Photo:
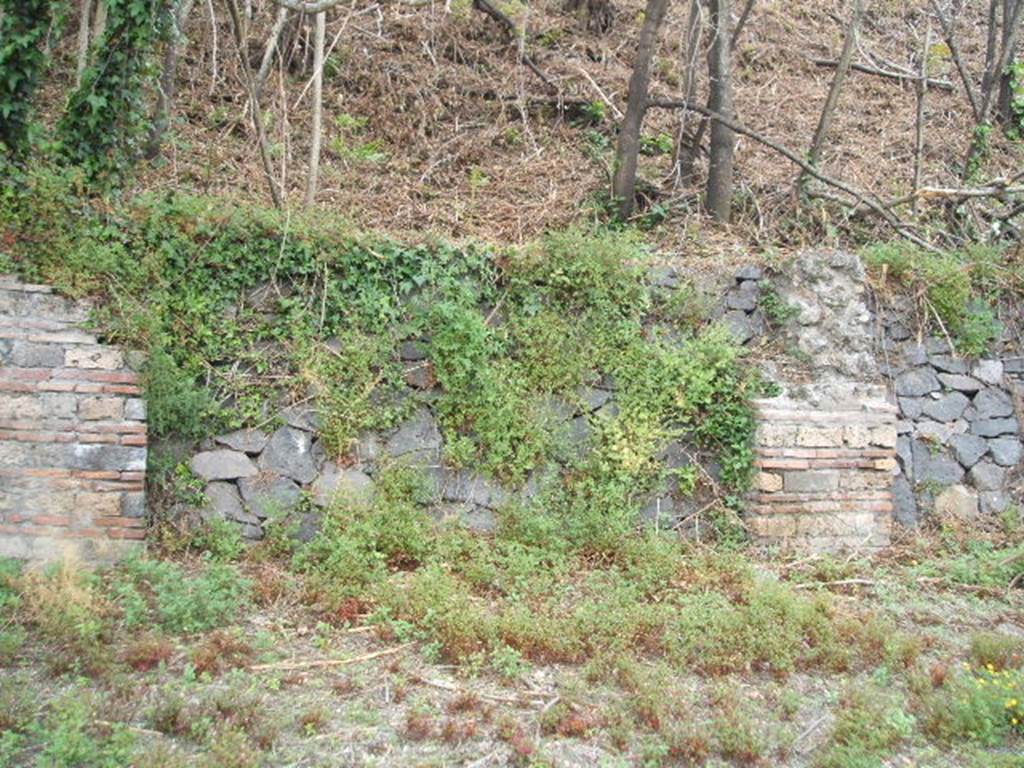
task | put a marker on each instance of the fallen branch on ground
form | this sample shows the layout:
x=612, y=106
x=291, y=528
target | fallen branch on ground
x=944, y=85
x=317, y=663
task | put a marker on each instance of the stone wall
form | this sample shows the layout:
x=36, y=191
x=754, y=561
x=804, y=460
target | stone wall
x=826, y=447
x=825, y=472
x=959, y=447
x=72, y=433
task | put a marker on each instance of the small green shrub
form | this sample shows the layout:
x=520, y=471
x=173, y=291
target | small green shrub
x=161, y=592
x=69, y=738
x=175, y=404
x=220, y=540
x=869, y=725
x=957, y=289
x=983, y=706
x=777, y=311
x=991, y=649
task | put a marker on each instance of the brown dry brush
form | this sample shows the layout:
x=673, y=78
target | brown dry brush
x=463, y=138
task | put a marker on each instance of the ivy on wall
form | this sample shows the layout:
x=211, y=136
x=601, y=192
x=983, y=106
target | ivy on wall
x=104, y=123
x=23, y=25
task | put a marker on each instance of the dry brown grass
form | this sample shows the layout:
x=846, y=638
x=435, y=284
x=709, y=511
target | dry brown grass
x=468, y=157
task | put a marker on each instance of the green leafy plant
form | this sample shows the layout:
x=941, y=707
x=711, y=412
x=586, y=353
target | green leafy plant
x=958, y=288
x=160, y=591
x=777, y=311
x=104, y=120
x=23, y=25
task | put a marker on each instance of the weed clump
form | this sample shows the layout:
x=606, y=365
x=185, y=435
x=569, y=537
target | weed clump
x=957, y=291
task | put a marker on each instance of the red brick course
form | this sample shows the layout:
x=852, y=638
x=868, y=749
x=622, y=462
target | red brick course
x=69, y=462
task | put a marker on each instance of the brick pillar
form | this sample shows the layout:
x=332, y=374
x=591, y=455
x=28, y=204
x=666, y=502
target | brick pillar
x=824, y=472
x=72, y=434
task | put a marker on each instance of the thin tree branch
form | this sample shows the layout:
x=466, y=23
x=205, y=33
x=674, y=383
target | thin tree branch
x=271, y=46
x=944, y=85
x=949, y=33
x=862, y=197
x=740, y=23
x=832, y=100
x=254, y=102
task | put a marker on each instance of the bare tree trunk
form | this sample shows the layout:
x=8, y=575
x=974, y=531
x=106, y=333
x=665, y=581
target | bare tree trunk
x=628, y=147
x=99, y=24
x=832, y=100
x=318, y=107
x=740, y=24
x=83, y=41
x=718, y=200
x=254, y=102
x=268, y=52
x=684, y=155
x=1002, y=61
x=949, y=33
x=922, y=90
x=596, y=15
x=991, y=45
x=1004, y=106
x=168, y=80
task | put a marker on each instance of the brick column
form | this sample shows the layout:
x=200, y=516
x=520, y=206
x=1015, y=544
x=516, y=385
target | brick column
x=825, y=473
x=72, y=434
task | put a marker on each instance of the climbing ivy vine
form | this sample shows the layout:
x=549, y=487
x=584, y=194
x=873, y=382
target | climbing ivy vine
x=23, y=25
x=105, y=119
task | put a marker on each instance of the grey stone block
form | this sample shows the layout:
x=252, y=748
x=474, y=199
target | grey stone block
x=222, y=464
x=224, y=503
x=469, y=487
x=593, y=398
x=934, y=467
x=993, y=502
x=994, y=427
x=268, y=495
x=811, y=481
x=746, y=301
x=133, y=504
x=135, y=409
x=1006, y=451
x=417, y=435
x=289, y=453
x=948, y=364
x=993, y=403
x=968, y=449
x=912, y=407
x=917, y=382
x=914, y=354
x=949, y=407
x=342, y=482
x=412, y=351
x=959, y=382
x=749, y=272
x=988, y=476
x=905, y=456
x=988, y=371
x=25, y=354
x=739, y=325
x=904, y=502
x=250, y=441
x=898, y=331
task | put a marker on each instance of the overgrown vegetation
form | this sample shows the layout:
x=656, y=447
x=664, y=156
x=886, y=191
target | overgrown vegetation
x=956, y=293
x=257, y=309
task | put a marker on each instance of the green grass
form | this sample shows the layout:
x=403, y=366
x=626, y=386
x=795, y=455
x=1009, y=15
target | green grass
x=957, y=292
